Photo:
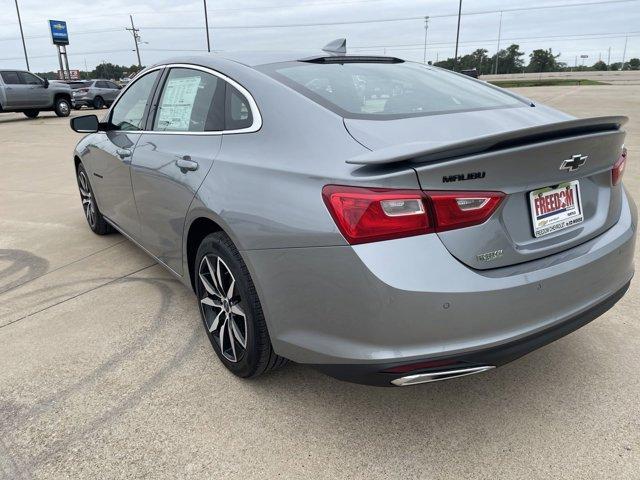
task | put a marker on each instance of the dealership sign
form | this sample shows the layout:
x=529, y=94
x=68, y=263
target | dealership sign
x=59, y=33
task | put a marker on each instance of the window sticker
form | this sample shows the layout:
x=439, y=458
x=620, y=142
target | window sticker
x=177, y=103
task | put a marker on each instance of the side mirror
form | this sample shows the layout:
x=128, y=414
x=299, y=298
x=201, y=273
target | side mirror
x=46, y=83
x=85, y=124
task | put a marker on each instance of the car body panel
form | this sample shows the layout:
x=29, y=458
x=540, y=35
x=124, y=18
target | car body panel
x=163, y=192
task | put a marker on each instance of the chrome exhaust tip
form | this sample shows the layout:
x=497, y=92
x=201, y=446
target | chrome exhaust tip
x=437, y=376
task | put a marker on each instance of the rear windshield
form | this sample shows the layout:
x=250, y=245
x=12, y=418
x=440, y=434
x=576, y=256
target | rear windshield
x=388, y=90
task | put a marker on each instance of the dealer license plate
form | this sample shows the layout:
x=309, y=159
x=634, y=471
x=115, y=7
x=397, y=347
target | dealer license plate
x=555, y=208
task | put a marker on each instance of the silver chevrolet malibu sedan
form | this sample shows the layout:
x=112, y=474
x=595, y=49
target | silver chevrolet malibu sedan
x=386, y=222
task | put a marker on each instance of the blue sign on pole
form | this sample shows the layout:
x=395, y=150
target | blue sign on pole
x=59, y=33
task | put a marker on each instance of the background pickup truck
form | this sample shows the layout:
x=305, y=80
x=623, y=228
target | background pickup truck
x=22, y=91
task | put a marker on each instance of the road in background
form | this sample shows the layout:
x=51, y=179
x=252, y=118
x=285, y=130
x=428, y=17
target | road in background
x=107, y=372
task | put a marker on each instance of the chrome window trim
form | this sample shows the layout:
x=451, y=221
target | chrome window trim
x=255, y=111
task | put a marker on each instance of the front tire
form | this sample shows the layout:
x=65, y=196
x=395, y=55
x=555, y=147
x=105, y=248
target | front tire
x=62, y=107
x=230, y=309
x=31, y=113
x=96, y=221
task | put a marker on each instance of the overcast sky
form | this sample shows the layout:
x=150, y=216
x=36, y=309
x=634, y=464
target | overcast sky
x=97, y=28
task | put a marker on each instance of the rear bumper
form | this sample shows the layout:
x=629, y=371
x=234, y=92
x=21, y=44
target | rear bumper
x=351, y=311
x=384, y=374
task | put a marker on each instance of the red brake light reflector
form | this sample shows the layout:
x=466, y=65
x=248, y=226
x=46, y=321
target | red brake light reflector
x=618, y=168
x=463, y=209
x=373, y=214
x=365, y=214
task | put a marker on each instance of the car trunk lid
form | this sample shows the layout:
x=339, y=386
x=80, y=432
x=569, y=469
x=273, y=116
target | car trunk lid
x=543, y=158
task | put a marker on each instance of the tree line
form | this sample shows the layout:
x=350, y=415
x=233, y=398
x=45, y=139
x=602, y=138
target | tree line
x=511, y=60
x=104, y=70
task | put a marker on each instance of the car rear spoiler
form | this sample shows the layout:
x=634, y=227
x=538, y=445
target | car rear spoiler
x=420, y=152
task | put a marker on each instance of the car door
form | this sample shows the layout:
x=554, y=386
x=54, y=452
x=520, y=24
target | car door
x=35, y=93
x=14, y=90
x=111, y=153
x=172, y=159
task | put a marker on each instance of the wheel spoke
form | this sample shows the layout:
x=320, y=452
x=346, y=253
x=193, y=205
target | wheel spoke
x=219, y=275
x=230, y=291
x=211, y=302
x=212, y=273
x=221, y=336
x=237, y=311
x=208, y=287
x=215, y=323
x=231, y=340
x=238, y=334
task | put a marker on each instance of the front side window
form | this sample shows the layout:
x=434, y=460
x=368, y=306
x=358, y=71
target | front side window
x=102, y=85
x=29, y=79
x=129, y=112
x=388, y=90
x=191, y=101
x=11, y=78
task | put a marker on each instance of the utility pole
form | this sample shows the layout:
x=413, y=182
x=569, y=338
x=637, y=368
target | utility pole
x=426, y=29
x=455, y=60
x=206, y=25
x=624, y=52
x=609, y=58
x=24, y=46
x=136, y=39
x=498, y=49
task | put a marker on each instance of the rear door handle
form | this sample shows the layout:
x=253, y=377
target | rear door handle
x=123, y=153
x=185, y=164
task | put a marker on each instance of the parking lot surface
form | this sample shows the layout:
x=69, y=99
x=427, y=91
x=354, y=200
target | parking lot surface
x=106, y=371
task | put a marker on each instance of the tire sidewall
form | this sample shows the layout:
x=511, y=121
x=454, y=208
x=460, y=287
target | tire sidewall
x=212, y=245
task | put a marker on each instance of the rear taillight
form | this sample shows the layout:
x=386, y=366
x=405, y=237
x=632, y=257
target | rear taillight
x=618, y=168
x=373, y=214
x=463, y=209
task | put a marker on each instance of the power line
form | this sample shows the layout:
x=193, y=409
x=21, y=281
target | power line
x=386, y=20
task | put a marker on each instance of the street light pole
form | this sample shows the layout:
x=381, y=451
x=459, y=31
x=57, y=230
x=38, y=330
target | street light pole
x=426, y=29
x=24, y=46
x=136, y=39
x=455, y=60
x=498, y=49
x=206, y=25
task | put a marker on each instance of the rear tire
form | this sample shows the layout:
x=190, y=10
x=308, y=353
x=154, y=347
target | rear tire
x=95, y=220
x=98, y=103
x=31, y=113
x=230, y=309
x=62, y=107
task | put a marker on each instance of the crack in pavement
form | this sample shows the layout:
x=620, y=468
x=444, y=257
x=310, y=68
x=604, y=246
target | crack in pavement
x=78, y=295
x=12, y=287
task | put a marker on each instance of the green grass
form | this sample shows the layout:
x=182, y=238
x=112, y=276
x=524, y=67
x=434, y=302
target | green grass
x=545, y=82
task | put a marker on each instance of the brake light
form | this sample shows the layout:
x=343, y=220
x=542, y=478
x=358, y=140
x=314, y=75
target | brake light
x=618, y=168
x=372, y=214
x=463, y=209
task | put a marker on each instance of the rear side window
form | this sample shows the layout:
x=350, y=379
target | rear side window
x=129, y=112
x=10, y=78
x=388, y=90
x=102, y=85
x=237, y=110
x=191, y=101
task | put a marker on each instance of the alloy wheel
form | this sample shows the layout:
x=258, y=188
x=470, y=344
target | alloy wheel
x=87, y=199
x=221, y=307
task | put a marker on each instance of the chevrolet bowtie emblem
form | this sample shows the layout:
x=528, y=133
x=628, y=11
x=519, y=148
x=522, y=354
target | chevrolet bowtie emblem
x=574, y=163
